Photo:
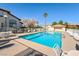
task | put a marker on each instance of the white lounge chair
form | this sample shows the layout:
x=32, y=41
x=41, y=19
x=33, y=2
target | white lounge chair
x=76, y=36
x=73, y=53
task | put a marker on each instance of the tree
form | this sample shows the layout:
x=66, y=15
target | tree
x=60, y=22
x=54, y=23
x=66, y=23
x=45, y=15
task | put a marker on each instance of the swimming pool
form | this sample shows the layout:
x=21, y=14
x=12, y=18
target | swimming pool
x=49, y=39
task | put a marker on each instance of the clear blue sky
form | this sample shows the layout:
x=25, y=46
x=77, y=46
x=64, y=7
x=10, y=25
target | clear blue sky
x=56, y=12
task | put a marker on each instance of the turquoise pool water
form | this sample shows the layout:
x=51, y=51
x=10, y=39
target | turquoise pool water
x=50, y=39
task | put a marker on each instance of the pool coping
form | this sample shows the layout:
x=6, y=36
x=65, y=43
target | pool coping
x=38, y=47
x=46, y=50
x=22, y=34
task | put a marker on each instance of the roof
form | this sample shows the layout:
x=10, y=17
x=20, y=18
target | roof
x=58, y=25
x=9, y=13
x=5, y=10
x=73, y=24
x=15, y=16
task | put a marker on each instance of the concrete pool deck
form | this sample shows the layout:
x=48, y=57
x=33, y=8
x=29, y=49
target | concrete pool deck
x=68, y=43
x=13, y=50
x=65, y=47
x=38, y=47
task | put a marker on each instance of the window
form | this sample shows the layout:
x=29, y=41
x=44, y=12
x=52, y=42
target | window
x=12, y=22
x=1, y=15
x=2, y=25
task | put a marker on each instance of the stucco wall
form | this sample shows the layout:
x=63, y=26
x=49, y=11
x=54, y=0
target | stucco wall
x=8, y=19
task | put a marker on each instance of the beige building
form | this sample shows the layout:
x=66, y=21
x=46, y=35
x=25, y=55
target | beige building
x=59, y=27
x=8, y=21
x=50, y=28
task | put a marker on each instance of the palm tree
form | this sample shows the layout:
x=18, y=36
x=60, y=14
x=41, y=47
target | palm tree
x=45, y=15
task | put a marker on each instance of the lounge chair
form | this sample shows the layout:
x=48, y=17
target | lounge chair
x=26, y=52
x=10, y=35
x=30, y=52
x=73, y=53
x=76, y=36
x=77, y=47
x=36, y=53
x=5, y=44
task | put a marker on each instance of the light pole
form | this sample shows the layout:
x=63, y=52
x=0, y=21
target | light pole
x=6, y=23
